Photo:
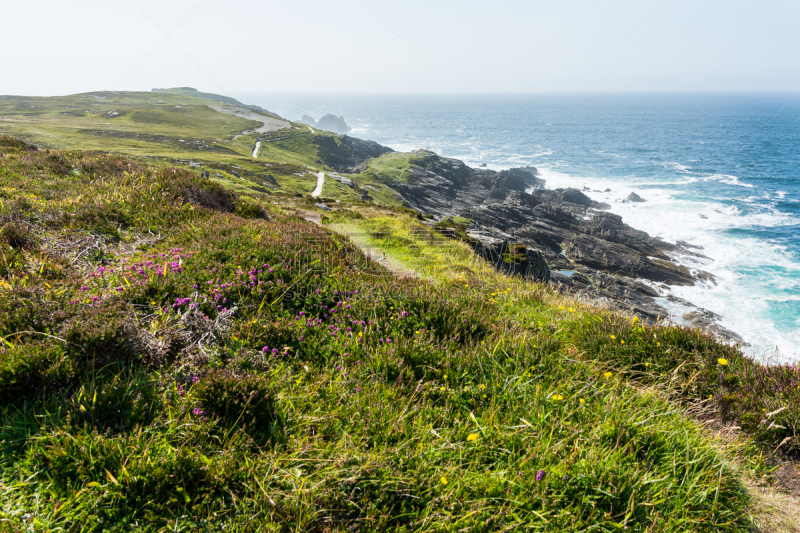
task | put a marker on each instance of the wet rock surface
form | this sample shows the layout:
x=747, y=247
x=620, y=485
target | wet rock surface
x=633, y=197
x=564, y=229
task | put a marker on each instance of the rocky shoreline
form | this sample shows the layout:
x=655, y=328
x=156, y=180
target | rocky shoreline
x=558, y=235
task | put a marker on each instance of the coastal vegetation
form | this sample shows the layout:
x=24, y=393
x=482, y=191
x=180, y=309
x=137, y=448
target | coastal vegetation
x=186, y=354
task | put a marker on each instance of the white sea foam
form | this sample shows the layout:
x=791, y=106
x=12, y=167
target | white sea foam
x=677, y=166
x=730, y=180
x=734, y=260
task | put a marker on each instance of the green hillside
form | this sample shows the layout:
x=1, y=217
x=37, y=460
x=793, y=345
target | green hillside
x=189, y=91
x=185, y=354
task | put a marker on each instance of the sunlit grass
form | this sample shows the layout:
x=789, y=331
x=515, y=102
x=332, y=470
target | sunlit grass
x=175, y=357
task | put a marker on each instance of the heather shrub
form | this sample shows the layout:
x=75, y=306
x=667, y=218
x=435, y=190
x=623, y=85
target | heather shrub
x=106, y=166
x=27, y=369
x=207, y=194
x=245, y=399
x=99, y=334
x=50, y=346
x=115, y=401
x=248, y=209
x=106, y=219
x=10, y=145
x=18, y=235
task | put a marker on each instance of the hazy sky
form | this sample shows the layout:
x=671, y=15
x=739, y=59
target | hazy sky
x=392, y=46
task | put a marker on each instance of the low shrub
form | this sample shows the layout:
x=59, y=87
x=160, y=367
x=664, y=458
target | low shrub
x=245, y=399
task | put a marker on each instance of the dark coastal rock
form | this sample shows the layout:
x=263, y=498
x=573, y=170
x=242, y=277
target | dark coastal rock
x=633, y=197
x=547, y=220
x=333, y=123
x=514, y=218
x=574, y=196
x=537, y=182
x=615, y=291
x=510, y=257
x=707, y=320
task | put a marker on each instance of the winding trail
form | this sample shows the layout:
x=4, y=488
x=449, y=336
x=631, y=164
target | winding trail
x=268, y=123
x=257, y=148
x=320, y=182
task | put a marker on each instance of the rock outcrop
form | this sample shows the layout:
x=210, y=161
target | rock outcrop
x=557, y=234
x=633, y=197
x=347, y=154
x=512, y=258
x=333, y=123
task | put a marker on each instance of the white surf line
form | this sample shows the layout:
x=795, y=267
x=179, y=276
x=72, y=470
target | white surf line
x=255, y=152
x=320, y=181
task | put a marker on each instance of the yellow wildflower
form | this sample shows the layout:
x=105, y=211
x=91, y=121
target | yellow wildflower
x=558, y=397
x=613, y=336
x=722, y=361
x=607, y=374
x=443, y=481
x=443, y=389
x=472, y=437
x=582, y=400
x=482, y=386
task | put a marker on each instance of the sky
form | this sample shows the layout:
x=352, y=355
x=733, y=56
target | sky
x=53, y=47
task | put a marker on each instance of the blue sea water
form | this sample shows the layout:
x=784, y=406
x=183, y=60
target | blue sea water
x=718, y=171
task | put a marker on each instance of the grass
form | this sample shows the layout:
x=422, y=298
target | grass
x=167, y=130
x=177, y=129
x=764, y=400
x=176, y=356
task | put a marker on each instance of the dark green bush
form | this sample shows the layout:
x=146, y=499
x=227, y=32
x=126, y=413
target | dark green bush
x=18, y=235
x=30, y=368
x=245, y=399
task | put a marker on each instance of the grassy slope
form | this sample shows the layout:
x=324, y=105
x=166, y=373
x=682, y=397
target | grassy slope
x=167, y=129
x=189, y=91
x=335, y=396
x=170, y=129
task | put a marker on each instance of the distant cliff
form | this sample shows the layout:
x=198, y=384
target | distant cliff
x=189, y=91
x=329, y=122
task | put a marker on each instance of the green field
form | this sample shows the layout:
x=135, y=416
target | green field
x=182, y=354
x=176, y=129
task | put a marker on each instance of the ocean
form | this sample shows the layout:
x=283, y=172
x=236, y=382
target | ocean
x=719, y=171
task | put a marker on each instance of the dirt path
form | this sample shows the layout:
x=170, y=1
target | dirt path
x=268, y=124
x=257, y=148
x=320, y=182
